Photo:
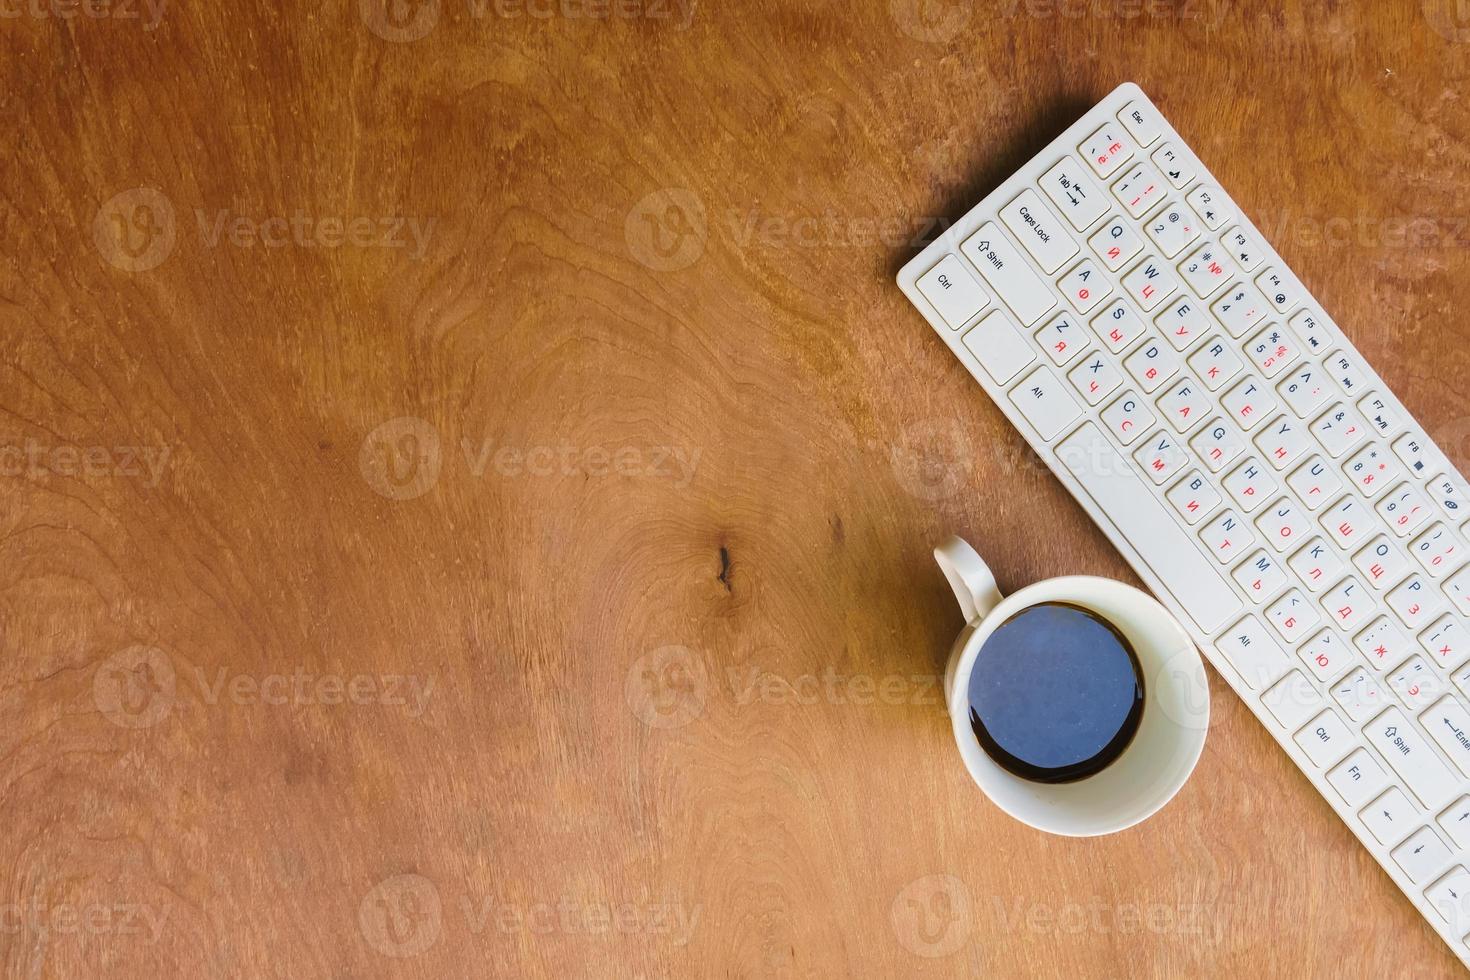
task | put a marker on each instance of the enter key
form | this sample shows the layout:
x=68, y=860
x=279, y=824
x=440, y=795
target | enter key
x=1448, y=723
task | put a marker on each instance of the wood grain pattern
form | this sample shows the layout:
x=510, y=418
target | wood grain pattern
x=469, y=479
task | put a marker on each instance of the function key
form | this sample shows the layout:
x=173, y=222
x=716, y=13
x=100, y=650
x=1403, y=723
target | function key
x=1074, y=193
x=1380, y=414
x=1279, y=290
x=952, y=291
x=1448, y=494
x=1176, y=165
x=1107, y=149
x=1347, y=374
x=1115, y=243
x=1244, y=247
x=1211, y=205
x=1416, y=454
x=1142, y=122
x=1358, y=778
x=1038, y=232
x=1311, y=330
x=1139, y=188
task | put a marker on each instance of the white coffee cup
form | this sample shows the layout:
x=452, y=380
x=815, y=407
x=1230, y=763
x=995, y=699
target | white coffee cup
x=1176, y=711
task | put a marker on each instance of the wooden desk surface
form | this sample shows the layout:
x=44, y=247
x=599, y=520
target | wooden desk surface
x=469, y=479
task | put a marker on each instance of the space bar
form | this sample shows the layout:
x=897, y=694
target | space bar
x=1113, y=484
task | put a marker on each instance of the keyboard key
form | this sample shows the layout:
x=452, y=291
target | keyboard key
x=1421, y=855
x=1256, y=657
x=1001, y=265
x=1152, y=364
x=1415, y=603
x=1140, y=518
x=1279, y=290
x=1172, y=229
x=1142, y=122
x=1416, y=453
x=1381, y=563
x=1095, y=378
x=1358, y=778
x=1403, y=509
x=1382, y=418
x=1074, y=193
x=1000, y=348
x=1347, y=604
x=1346, y=373
x=1450, y=898
x=1372, y=469
x=1128, y=417
x=1150, y=283
x=1456, y=822
x=1115, y=243
x=1045, y=403
x=1448, y=724
x=1140, y=188
x=1438, y=550
x=1457, y=587
x=1240, y=308
x=1292, y=700
x=1038, y=231
x=1249, y=402
x=1206, y=269
x=1271, y=350
x=1411, y=757
x=1292, y=615
x=1314, y=482
x=1162, y=457
x=953, y=292
x=1244, y=247
x=1283, y=525
x=1359, y=695
x=1063, y=338
x=1183, y=323
x=1316, y=565
x=1283, y=442
x=1218, y=444
x=1259, y=576
x=1447, y=640
x=1176, y=166
x=1383, y=644
x=1303, y=390
x=1349, y=522
x=1085, y=286
x=1325, y=739
x=1210, y=205
x=1390, y=817
x=1448, y=495
x=1339, y=429
x=1118, y=326
x=1250, y=484
x=1311, y=330
x=1107, y=149
x=1216, y=363
x=1417, y=685
x=1185, y=405
x=1226, y=536
x=1193, y=497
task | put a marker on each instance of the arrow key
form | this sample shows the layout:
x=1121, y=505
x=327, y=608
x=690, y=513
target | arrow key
x=1421, y=855
x=1456, y=822
x=1450, y=897
x=1390, y=816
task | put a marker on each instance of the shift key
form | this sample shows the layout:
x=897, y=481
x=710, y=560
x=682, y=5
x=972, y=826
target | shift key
x=1412, y=758
x=1006, y=270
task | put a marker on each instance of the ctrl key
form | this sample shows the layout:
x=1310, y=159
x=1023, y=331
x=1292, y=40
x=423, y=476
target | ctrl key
x=1450, y=897
x=953, y=292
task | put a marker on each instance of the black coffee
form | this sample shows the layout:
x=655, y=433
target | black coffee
x=1056, y=694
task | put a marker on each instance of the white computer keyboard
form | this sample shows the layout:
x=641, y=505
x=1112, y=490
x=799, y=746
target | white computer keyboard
x=1189, y=391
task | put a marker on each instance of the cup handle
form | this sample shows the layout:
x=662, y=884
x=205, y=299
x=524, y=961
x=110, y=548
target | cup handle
x=969, y=577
